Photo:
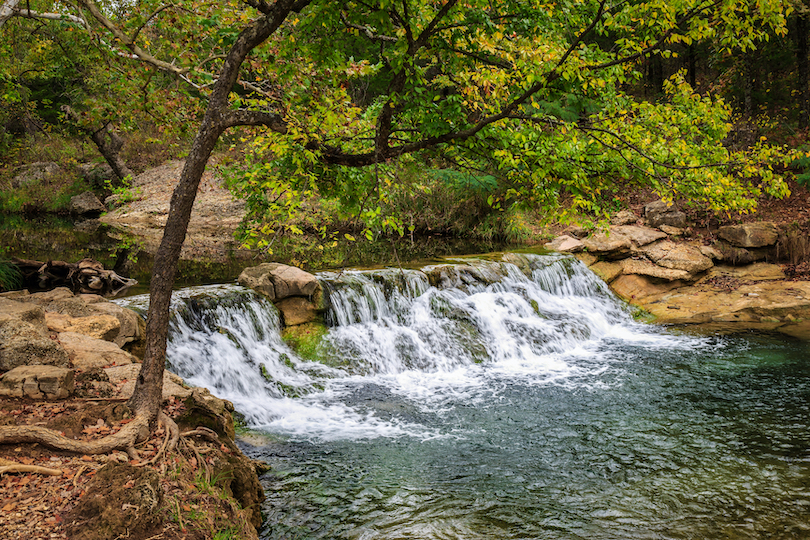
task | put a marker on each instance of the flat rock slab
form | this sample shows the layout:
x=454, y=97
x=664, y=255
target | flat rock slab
x=646, y=268
x=87, y=353
x=750, y=235
x=640, y=236
x=678, y=256
x=565, y=243
x=612, y=246
x=37, y=382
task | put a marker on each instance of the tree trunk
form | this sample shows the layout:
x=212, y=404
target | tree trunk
x=110, y=144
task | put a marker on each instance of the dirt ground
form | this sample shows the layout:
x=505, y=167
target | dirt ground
x=109, y=496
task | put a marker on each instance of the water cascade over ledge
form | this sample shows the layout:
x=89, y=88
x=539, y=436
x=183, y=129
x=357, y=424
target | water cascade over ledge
x=507, y=397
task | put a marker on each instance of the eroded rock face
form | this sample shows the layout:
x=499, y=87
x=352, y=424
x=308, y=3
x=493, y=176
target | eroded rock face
x=23, y=344
x=659, y=213
x=296, y=310
x=678, y=256
x=105, y=327
x=750, y=235
x=647, y=268
x=37, y=382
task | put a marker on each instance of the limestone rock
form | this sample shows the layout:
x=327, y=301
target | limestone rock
x=625, y=217
x=640, y=236
x=740, y=256
x=711, y=253
x=37, y=382
x=659, y=213
x=34, y=173
x=634, y=287
x=21, y=311
x=131, y=325
x=296, y=310
x=607, y=271
x=588, y=259
x=125, y=376
x=565, y=243
x=750, y=235
x=104, y=327
x=87, y=353
x=577, y=231
x=278, y=281
x=86, y=204
x=611, y=246
x=646, y=268
x=23, y=344
x=678, y=256
x=672, y=231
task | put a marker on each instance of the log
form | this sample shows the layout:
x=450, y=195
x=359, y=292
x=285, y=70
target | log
x=88, y=276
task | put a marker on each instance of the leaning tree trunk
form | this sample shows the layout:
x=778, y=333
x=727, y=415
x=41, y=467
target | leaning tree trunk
x=803, y=69
x=110, y=144
x=147, y=396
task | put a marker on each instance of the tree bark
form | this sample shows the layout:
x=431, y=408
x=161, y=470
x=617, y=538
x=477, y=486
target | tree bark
x=109, y=143
x=147, y=396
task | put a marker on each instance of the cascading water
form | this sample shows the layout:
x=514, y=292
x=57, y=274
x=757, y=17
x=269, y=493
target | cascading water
x=513, y=398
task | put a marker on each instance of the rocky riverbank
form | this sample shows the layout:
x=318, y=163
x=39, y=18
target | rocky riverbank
x=69, y=362
x=725, y=286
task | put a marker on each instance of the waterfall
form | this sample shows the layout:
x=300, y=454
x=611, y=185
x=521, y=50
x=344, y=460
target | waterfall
x=407, y=338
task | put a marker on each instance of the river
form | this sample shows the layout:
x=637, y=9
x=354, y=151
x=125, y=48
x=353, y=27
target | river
x=515, y=400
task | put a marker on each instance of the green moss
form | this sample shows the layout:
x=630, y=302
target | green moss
x=642, y=315
x=305, y=339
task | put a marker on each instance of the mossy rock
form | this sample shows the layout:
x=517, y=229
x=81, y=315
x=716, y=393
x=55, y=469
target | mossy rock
x=306, y=339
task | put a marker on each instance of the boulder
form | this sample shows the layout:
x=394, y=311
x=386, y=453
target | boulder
x=659, y=213
x=86, y=204
x=37, y=382
x=625, y=217
x=21, y=311
x=646, y=268
x=34, y=173
x=678, y=256
x=102, y=327
x=278, y=281
x=672, y=231
x=132, y=328
x=640, y=236
x=565, y=243
x=750, y=235
x=296, y=310
x=87, y=353
x=611, y=246
x=23, y=344
x=711, y=253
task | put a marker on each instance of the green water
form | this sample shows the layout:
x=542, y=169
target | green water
x=705, y=439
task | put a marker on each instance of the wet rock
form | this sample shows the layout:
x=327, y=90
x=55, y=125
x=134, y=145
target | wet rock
x=296, y=310
x=86, y=204
x=678, y=256
x=607, y=271
x=659, y=213
x=565, y=243
x=750, y=235
x=87, y=353
x=204, y=409
x=37, y=382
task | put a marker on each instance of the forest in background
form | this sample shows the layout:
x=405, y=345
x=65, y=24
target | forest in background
x=701, y=102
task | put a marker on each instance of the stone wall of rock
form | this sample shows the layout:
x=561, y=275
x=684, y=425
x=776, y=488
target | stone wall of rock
x=648, y=262
x=50, y=340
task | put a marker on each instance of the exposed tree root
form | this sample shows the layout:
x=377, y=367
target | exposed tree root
x=123, y=439
x=7, y=466
x=169, y=441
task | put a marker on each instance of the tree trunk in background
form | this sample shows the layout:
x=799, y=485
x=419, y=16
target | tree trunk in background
x=110, y=145
x=691, y=62
x=802, y=69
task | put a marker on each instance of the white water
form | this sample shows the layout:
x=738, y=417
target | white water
x=405, y=346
